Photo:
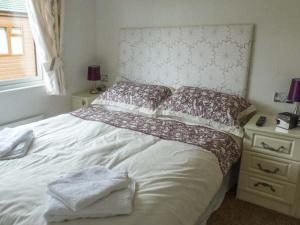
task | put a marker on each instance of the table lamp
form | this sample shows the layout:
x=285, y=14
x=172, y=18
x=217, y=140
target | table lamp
x=294, y=94
x=94, y=75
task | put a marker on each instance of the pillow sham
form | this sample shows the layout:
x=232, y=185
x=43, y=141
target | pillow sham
x=130, y=96
x=196, y=105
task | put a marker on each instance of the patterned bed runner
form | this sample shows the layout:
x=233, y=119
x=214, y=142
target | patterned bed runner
x=222, y=145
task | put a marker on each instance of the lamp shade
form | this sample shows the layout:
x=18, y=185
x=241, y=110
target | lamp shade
x=94, y=73
x=294, y=94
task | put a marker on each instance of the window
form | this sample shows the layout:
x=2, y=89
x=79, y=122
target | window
x=11, y=41
x=17, y=48
x=3, y=41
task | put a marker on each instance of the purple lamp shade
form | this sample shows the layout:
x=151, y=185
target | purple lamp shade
x=94, y=73
x=294, y=94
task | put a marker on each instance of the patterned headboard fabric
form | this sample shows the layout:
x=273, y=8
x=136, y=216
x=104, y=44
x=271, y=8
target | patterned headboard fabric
x=215, y=57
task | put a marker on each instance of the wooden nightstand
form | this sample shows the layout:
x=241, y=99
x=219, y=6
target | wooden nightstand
x=269, y=173
x=82, y=99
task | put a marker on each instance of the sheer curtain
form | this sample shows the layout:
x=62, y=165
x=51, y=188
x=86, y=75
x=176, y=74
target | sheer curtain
x=46, y=20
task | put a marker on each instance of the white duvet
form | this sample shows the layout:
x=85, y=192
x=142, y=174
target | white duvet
x=175, y=181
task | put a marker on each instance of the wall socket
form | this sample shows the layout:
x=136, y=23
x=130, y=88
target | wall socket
x=281, y=97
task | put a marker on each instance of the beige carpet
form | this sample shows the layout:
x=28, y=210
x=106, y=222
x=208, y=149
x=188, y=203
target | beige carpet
x=237, y=212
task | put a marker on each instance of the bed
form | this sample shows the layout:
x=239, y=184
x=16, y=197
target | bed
x=179, y=180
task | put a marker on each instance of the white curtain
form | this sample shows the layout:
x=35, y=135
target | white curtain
x=46, y=20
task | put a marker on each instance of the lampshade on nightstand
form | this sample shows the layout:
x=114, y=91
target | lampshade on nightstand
x=294, y=94
x=94, y=75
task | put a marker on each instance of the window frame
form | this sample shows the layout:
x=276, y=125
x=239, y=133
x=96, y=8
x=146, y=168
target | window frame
x=36, y=79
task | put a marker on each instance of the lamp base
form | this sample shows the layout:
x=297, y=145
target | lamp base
x=297, y=108
x=94, y=89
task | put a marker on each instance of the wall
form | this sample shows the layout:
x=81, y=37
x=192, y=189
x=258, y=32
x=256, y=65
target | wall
x=277, y=37
x=79, y=52
x=276, y=51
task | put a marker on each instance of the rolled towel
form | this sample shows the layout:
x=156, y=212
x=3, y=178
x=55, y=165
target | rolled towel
x=20, y=150
x=117, y=203
x=81, y=189
x=11, y=137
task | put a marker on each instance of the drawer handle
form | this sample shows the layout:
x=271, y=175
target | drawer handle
x=275, y=171
x=265, y=185
x=266, y=146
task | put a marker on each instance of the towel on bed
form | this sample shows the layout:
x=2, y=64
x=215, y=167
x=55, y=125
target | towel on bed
x=20, y=149
x=10, y=138
x=81, y=189
x=116, y=203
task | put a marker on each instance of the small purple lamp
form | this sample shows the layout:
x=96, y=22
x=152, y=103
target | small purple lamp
x=94, y=75
x=294, y=94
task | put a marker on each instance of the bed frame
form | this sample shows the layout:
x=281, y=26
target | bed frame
x=215, y=57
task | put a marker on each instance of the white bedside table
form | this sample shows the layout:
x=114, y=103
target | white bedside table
x=83, y=99
x=269, y=173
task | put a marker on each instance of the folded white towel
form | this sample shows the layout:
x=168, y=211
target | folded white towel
x=81, y=189
x=20, y=150
x=11, y=137
x=117, y=203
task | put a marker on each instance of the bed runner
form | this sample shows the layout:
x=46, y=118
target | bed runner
x=222, y=145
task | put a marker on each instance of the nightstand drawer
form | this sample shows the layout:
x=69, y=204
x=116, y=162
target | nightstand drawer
x=270, y=166
x=79, y=102
x=267, y=188
x=273, y=144
x=83, y=99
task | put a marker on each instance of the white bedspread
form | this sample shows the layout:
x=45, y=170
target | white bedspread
x=175, y=181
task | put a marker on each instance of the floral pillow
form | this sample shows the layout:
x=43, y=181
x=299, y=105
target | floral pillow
x=196, y=105
x=130, y=96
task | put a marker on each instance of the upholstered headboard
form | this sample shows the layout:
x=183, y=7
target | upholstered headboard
x=215, y=57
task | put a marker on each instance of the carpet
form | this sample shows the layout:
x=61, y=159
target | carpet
x=237, y=212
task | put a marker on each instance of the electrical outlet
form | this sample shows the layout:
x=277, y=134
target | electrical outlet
x=104, y=77
x=281, y=97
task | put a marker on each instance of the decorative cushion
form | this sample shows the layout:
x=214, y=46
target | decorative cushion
x=219, y=110
x=140, y=98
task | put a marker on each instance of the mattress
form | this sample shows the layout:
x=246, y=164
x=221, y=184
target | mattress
x=176, y=181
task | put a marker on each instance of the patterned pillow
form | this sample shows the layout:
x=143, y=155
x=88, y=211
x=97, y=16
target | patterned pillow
x=216, y=109
x=136, y=97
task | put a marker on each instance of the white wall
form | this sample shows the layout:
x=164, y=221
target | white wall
x=275, y=58
x=277, y=46
x=79, y=52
